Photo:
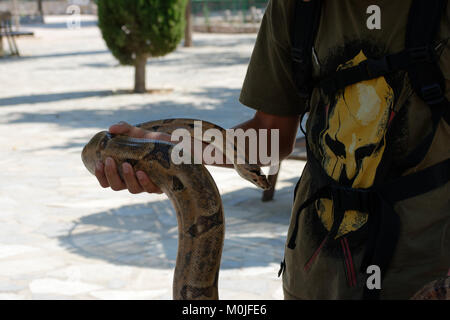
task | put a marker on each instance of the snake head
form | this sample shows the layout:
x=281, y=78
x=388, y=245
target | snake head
x=254, y=174
x=92, y=151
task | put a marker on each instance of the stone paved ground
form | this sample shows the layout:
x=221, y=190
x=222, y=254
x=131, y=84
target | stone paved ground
x=63, y=237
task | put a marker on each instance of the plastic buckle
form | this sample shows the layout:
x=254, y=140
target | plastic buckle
x=341, y=197
x=372, y=69
x=297, y=55
x=366, y=200
x=420, y=54
x=432, y=94
x=345, y=198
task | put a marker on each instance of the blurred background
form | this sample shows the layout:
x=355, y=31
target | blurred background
x=204, y=11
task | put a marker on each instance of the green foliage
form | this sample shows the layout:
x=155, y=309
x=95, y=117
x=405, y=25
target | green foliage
x=206, y=14
x=133, y=28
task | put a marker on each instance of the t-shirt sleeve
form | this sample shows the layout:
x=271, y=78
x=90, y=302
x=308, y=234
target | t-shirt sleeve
x=445, y=54
x=269, y=84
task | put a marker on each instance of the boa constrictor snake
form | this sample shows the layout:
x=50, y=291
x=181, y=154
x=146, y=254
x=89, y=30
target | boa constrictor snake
x=193, y=193
x=197, y=202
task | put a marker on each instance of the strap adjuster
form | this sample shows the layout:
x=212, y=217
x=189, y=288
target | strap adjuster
x=432, y=94
x=375, y=68
x=420, y=55
x=298, y=55
x=345, y=198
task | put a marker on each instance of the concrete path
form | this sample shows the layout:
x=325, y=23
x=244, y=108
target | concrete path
x=61, y=235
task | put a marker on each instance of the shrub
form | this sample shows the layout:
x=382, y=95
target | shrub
x=135, y=30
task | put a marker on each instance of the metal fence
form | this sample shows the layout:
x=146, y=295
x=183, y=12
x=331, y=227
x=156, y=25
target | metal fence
x=213, y=12
x=198, y=6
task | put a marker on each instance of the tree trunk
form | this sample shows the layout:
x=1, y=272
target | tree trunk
x=16, y=15
x=188, y=29
x=40, y=10
x=139, y=77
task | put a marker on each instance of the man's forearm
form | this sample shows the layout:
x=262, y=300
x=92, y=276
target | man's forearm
x=287, y=130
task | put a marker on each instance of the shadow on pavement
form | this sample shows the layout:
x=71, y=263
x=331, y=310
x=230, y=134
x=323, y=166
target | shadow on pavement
x=224, y=100
x=202, y=60
x=52, y=97
x=60, y=24
x=146, y=235
x=7, y=59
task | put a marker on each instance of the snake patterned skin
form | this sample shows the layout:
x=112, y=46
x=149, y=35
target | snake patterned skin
x=193, y=193
x=435, y=290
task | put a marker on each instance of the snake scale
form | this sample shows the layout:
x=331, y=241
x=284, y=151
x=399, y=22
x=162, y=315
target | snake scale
x=197, y=202
x=193, y=193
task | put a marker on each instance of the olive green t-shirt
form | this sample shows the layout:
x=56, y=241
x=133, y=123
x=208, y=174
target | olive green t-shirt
x=347, y=133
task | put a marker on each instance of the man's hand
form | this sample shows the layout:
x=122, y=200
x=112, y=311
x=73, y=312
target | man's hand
x=139, y=182
x=107, y=174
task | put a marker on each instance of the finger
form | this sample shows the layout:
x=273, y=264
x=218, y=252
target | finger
x=120, y=128
x=127, y=129
x=161, y=136
x=100, y=174
x=146, y=183
x=112, y=175
x=130, y=179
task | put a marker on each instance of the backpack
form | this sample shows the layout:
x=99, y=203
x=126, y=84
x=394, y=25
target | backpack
x=419, y=60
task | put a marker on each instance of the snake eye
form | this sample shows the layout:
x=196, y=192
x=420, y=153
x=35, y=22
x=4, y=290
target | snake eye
x=105, y=140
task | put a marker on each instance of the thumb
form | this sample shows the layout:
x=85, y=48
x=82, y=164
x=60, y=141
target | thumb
x=127, y=129
x=120, y=128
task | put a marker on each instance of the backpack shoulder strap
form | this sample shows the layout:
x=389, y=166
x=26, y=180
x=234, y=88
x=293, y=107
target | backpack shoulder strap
x=418, y=59
x=424, y=21
x=426, y=78
x=304, y=28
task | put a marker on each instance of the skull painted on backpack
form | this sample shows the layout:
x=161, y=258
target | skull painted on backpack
x=353, y=141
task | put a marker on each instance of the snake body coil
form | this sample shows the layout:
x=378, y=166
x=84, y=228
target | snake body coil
x=193, y=194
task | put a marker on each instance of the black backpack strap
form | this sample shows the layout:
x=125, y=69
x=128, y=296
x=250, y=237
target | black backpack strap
x=379, y=203
x=304, y=29
x=426, y=78
x=417, y=183
x=418, y=59
x=374, y=68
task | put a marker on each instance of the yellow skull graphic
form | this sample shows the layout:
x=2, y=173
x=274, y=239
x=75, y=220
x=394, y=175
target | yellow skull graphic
x=353, y=141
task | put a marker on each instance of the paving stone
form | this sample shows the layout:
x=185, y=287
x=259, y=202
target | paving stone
x=14, y=250
x=11, y=296
x=27, y=267
x=130, y=295
x=10, y=286
x=55, y=286
x=64, y=237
